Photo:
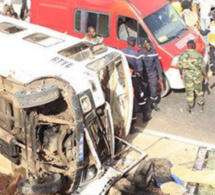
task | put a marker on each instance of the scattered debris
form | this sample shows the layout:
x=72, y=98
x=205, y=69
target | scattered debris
x=162, y=173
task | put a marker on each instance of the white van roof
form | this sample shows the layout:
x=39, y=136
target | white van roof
x=33, y=52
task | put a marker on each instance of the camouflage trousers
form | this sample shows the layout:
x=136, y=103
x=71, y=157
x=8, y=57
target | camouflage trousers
x=193, y=86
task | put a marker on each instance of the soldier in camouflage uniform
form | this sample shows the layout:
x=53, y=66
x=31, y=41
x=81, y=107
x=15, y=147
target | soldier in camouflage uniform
x=192, y=67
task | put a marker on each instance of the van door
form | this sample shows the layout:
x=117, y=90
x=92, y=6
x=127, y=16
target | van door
x=126, y=27
x=113, y=74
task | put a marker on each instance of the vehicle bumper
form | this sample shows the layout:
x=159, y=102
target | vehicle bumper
x=174, y=78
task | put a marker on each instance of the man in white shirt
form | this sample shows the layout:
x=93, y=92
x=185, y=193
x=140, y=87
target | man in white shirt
x=205, y=8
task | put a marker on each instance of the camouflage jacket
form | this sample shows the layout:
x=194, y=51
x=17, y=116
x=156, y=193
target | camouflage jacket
x=191, y=60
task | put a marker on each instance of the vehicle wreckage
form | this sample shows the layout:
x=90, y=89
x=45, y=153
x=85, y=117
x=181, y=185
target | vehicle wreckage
x=65, y=105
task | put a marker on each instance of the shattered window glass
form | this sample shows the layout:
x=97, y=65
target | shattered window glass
x=43, y=40
x=78, y=52
x=10, y=28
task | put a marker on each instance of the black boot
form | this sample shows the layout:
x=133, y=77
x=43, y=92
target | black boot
x=147, y=118
x=146, y=115
x=155, y=107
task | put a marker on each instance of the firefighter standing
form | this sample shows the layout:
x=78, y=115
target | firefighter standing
x=152, y=71
x=192, y=67
x=139, y=89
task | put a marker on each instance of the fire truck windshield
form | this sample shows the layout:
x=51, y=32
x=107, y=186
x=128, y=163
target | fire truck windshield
x=165, y=24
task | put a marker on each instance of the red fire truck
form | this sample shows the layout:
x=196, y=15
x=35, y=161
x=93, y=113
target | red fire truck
x=115, y=20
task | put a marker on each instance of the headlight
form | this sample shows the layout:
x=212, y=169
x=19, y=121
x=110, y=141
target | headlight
x=85, y=104
x=175, y=61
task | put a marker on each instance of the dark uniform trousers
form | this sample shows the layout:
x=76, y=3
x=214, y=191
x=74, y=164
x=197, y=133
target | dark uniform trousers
x=140, y=94
x=153, y=86
x=212, y=58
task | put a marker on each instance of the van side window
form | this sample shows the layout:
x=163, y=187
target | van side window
x=129, y=27
x=84, y=19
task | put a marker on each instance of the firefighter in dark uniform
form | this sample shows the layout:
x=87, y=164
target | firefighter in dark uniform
x=139, y=90
x=152, y=71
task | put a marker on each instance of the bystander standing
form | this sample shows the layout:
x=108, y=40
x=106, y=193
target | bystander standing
x=190, y=18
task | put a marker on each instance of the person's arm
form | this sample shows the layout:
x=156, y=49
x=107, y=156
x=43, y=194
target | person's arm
x=180, y=65
x=159, y=72
x=181, y=73
x=139, y=67
x=158, y=67
x=203, y=67
x=203, y=70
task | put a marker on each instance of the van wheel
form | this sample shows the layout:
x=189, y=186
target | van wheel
x=51, y=184
x=36, y=95
x=166, y=90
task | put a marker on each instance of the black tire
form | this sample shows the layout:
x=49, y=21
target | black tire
x=166, y=89
x=37, y=95
x=144, y=174
x=51, y=186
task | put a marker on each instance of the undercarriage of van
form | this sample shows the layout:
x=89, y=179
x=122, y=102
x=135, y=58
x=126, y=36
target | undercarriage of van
x=59, y=137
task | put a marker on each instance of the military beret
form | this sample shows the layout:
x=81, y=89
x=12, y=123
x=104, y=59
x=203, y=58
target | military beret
x=131, y=39
x=190, y=42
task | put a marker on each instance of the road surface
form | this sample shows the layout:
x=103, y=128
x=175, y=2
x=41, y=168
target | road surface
x=174, y=119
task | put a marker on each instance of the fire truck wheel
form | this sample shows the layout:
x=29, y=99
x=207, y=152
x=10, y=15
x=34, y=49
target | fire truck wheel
x=50, y=185
x=166, y=87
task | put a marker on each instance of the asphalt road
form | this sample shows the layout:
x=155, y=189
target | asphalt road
x=174, y=119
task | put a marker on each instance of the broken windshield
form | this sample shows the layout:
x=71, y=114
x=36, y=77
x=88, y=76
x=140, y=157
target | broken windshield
x=165, y=24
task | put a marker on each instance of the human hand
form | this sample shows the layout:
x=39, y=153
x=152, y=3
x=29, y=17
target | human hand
x=206, y=79
x=160, y=81
x=138, y=74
